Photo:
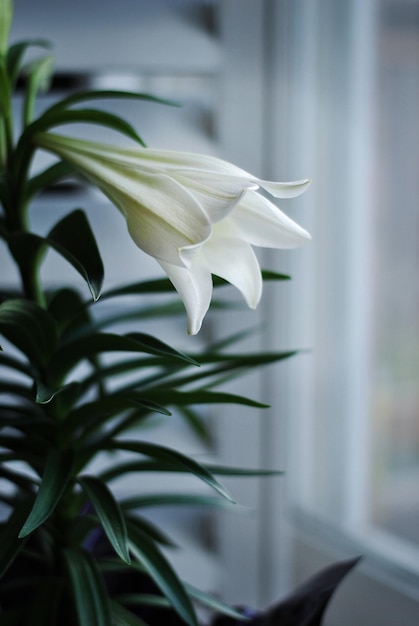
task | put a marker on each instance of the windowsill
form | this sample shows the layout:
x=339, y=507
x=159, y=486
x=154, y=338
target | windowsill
x=384, y=557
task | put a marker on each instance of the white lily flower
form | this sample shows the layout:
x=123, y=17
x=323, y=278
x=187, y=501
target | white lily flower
x=228, y=253
x=197, y=215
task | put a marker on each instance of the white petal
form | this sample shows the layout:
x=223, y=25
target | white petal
x=235, y=261
x=142, y=157
x=217, y=194
x=259, y=222
x=284, y=190
x=194, y=286
x=163, y=218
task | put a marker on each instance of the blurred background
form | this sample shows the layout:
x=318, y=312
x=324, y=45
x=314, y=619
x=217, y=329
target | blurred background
x=286, y=89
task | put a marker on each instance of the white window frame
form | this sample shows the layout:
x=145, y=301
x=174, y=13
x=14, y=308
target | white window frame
x=332, y=277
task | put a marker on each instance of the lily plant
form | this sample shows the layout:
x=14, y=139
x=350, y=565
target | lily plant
x=67, y=535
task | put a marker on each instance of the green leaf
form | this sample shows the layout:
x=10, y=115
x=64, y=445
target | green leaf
x=61, y=400
x=167, y=309
x=202, y=396
x=93, y=414
x=48, y=177
x=223, y=470
x=268, y=275
x=229, y=364
x=163, y=285
x=127, y=467
x=104, y=94
x=174, y=499
x=6, y=13
x=122, y=617
x=158, y=285
x=16, y=389
x=31, y=450
x=70, y=354
x=39, y=73
x=73, y=238
x=144, y=599
x=197, y=425
x=5, y=92
x=10, y=544
x=16, y=52
x=109, y=514
x=92, y=602
x=163, y=368
x=214, y=604
x=25, y=483
x=162, y=573
x=56, y=476
x=151, y=530
x=66, y=307
x=151, y=345
x=84, y=116
x=30, y=328
x=28, y=250
x=7, y=360
x=169, y=456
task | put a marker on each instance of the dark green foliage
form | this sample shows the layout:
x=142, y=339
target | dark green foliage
x=74, y=389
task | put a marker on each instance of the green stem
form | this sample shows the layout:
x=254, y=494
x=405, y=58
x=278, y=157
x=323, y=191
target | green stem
x=27, y=257
x=3, y=146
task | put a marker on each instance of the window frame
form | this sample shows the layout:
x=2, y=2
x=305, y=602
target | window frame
x=384, y=588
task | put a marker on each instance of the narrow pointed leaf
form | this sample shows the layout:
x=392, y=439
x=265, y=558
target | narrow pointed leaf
x=56, y=476
x=152, y=465
x=74, y=239
x=151, y=345
x=203, y=396
x=174, y=499
x=5, y=91
x=229, y=365
x=66, y=307
x=85, y=347
x=48, y=177
x=104, y=94
x=30, y=328
x=122, y=617
x=158, y=285
x=93, y=414
x=90, y=596
x=268, y=275
x=25, y=483
x=6, y=12
x=214, y=604
x=76, y=116
x=10, y=544
x=28, y=250
x=39, y=76
x=67, y=393
x=16, y=52
x=162, y=573
x=109, y=514
x=171, y=457
x=151, y=530
x=163, y=285
x=141, y=599
x=7, y=360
